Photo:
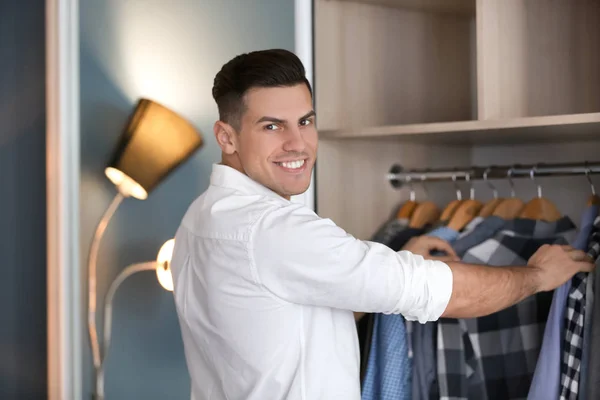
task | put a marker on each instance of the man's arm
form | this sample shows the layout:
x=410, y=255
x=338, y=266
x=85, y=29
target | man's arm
x=481, y=290
x=301, y=258
x=424, y=246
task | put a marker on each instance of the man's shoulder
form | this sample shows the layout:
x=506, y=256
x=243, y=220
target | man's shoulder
x=225, y=213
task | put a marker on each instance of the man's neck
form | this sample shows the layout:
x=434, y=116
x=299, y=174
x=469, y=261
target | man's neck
x=235, y=164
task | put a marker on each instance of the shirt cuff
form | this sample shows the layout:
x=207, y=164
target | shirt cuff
x=437, y=288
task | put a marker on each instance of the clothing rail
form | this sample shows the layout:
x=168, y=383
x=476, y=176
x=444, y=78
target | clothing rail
x=398, y=176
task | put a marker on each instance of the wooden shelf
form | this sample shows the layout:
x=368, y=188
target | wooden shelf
x=505, y=131
x=461, y=7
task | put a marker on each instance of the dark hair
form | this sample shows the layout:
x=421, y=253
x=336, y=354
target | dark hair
x=265, y=68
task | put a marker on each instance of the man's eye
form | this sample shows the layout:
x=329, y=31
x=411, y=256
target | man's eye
x=271, y=127
x=305, y=122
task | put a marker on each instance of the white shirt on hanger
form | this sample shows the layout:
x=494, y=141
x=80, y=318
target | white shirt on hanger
x=264, y=290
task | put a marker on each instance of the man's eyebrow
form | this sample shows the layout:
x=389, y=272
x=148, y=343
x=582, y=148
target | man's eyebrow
x=271, y=119
x=309, y=114
x=275, y=120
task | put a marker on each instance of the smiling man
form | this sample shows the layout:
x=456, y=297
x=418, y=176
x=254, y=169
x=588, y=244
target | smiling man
x=265, y=289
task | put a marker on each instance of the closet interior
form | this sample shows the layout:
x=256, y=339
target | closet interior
x=452, y=84
x=416, y=97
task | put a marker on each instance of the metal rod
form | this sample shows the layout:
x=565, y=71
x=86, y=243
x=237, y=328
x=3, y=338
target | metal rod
x=398, y=176
x=108, y=307
x=92, y=292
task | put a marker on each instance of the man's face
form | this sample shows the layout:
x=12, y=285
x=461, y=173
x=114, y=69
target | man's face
x=277, y=142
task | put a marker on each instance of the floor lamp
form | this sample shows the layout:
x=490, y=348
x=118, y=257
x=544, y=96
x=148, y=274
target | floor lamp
x=153, y=144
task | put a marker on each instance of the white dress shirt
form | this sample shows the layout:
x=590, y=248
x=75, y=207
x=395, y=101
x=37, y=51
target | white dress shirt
x=265, y=290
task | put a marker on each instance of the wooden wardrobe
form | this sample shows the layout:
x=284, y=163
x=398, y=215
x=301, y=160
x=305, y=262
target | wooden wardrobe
x=451, y=83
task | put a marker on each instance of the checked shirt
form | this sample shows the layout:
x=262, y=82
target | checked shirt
x=494, y=357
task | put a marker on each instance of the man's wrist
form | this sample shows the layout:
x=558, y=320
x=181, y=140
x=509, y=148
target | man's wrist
x=534, y=279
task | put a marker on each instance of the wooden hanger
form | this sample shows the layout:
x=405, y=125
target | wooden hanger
x=451, y=208
x=594, y=199
x=466, y=211
x=509, y=208
x=408, y=208
x=464, y=214
x=540, y=208
x=425, y=214
x=490, y=206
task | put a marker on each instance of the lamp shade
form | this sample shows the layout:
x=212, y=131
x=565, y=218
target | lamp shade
x=154, y=142
x=163, y=269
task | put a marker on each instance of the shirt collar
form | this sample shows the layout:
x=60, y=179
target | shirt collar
x=225, y=176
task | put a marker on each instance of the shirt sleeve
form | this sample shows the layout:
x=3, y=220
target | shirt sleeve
x=302, y=258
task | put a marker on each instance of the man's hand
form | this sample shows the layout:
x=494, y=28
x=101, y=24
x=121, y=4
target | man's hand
x=481, y=290
x=557, y=264
x=425, y=245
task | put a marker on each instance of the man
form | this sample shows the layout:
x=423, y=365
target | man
x=265, y=289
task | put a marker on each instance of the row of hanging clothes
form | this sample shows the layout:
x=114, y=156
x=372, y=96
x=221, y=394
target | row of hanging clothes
x=538, y=349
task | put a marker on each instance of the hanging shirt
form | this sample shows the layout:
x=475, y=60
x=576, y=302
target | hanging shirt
x=587, y=331
x=387, y=367
x=389, y=230
x=494, y=357
x=388, y=233
x=589, y=312
x=421, y=336
x=264, y=289
x=547, y=378
x=592, y=388
x=574, y=323
x=484, y=230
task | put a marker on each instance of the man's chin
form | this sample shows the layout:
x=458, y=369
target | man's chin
x=297, y=191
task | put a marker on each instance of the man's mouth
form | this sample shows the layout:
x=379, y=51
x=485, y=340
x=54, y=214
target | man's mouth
x=292, y=164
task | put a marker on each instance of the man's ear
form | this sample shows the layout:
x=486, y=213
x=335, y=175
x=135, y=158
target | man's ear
x=226, y=137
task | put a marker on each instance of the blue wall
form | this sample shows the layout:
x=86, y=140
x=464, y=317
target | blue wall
x=169, y=51
x=22, y=200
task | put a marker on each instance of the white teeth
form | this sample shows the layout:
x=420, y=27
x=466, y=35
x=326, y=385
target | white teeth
x=293, y=164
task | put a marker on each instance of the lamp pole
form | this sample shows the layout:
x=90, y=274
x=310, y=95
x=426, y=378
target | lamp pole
x=92, y=291
x=108, y=306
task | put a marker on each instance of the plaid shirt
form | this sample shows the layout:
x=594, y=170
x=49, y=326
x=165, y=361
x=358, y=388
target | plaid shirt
x=494, y=357
x=574, y=324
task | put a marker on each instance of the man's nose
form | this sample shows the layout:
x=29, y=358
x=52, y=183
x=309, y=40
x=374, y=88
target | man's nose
x=294, y=141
